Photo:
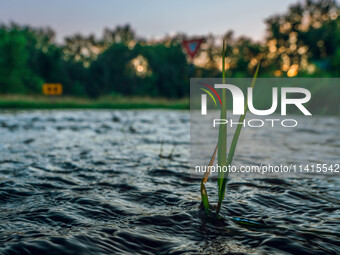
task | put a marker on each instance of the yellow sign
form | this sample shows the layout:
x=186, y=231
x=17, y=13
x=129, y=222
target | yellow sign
x=52, y=89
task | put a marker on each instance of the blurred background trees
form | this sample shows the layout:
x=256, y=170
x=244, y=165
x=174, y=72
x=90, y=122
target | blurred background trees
x=304, y=42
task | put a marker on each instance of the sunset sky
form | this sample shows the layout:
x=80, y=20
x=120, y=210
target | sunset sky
x=149, y=18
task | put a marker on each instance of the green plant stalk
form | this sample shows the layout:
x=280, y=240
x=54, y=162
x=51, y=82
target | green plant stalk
x=222, y=136
x=205, y=200
x=204, y=194
x=233, y=145
x=220, y=147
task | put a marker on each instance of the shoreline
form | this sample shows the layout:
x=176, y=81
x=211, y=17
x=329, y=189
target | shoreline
x=114, y=102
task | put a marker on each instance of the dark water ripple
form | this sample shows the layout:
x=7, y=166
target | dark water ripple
x=102, y=182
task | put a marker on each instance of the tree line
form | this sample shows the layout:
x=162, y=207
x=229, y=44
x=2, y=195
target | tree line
x=303, y=42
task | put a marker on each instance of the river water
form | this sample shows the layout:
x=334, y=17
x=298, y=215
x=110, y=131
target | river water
x=118, y=182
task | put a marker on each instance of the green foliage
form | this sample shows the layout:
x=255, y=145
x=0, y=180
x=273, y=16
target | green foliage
x=90, y=67
x=303, y=42
x=110, y=72
x=15, y=76
x=164, y=73
x=168, y=69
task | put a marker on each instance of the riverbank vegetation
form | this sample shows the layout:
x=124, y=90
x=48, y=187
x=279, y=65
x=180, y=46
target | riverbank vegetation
x=105, y=102
x=303, y=42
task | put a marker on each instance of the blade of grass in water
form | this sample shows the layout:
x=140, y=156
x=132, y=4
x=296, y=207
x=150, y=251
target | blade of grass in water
x=204, y=194
x=233, y=145
x=204, y=197
x=221, y=145
x=206, y=175
x=222, y=135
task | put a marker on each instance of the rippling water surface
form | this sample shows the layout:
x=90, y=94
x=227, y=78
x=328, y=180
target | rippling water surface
x=118, y=182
